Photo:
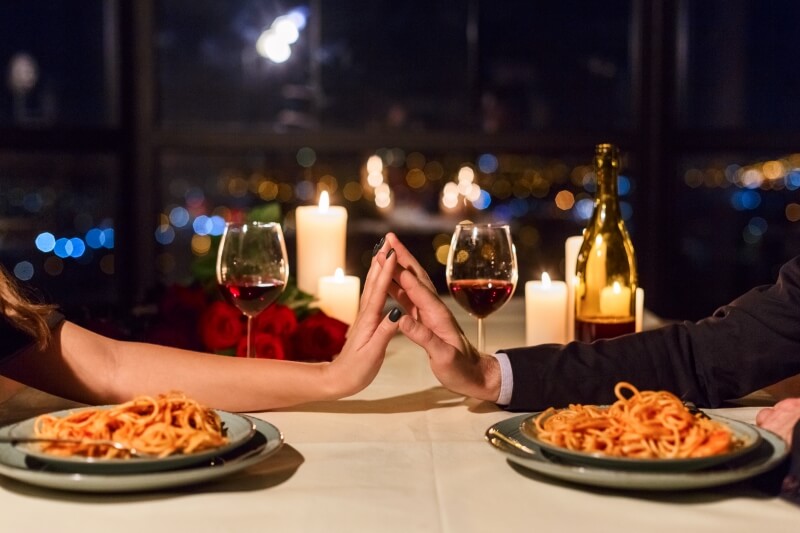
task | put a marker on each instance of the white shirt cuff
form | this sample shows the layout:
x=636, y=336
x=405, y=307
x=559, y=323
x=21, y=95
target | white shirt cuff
x=506, y=379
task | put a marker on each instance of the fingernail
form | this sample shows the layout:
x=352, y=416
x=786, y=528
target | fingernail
x=378, y=246
x=395, y=314
x=390, y=253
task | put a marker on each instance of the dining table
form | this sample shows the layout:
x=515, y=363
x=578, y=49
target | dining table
x=403, y=455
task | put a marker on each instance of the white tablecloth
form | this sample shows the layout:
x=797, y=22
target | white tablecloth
x=404, y=455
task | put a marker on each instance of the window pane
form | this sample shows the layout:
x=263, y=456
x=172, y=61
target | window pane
x=737, y=64
x=737, y=219
x=58, y=63
x=209, y=68
x=555, y=65
x=386, y=66
x=57, y=214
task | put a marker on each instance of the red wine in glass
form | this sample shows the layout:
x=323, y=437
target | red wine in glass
x=252, y=269
x=252, y=297
x=481, y=297
x=481, y=269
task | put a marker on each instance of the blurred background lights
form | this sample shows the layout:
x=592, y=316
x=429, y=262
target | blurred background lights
x=306, y=157
x=201, y=244
x=623, y=185
x=108, y=238
x=217, y=225
x=76, y=247
x=383, y=196
x=62, y=248
x=745, y=200
x=305, y=191
x=202, y=225
x=273, y=47
x=286, y=29
x=275, y=42
x=298, y=16
x=45, y=242
x=793, y=179
x=23, y=270
x=483, y=201
x=374, y=171
x=583, y=209
x=487, y=163
x=179, y=216
x=165, y=234
x=23, y=73
x=792, y=212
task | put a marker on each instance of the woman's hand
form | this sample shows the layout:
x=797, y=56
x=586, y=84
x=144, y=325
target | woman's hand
x=361, y=357
x=430, y=324
x=781, y=418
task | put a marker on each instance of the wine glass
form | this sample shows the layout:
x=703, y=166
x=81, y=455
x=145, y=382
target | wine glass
x=252, y=268
x=481, y=269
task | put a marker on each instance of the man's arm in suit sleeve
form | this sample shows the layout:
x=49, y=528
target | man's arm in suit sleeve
x=748, y=344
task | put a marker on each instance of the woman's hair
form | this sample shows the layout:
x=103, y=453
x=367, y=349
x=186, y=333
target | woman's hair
x=22, y=312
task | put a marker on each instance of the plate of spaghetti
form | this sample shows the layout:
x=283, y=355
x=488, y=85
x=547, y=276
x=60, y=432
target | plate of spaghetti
x=642, y=430
x=169, y=430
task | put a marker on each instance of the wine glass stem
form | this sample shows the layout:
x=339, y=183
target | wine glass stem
x=481, y=337
x=249, y=337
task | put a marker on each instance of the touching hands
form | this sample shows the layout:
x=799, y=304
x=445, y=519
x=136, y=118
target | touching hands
x=431, y=325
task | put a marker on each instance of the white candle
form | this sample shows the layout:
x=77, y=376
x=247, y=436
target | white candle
x=338, y=296
x=571, y=248
x=615, y=300
x=639, y=308
x=321, y=242
x=545, y=311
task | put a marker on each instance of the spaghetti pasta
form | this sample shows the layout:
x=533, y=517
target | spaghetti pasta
x=644, y=425
x=161, y=426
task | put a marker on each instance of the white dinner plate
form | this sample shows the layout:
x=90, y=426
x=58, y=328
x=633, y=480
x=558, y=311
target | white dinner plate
x=765, y=456
x=238, y=430
x=266, y=441
x=745, y=436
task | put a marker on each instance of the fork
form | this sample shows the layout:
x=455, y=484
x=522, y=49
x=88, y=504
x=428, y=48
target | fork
x=100, y=442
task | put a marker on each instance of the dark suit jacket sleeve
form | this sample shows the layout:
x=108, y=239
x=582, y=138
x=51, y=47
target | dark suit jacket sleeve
x=748, y=344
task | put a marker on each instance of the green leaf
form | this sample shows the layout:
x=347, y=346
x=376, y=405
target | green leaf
x=270, y=212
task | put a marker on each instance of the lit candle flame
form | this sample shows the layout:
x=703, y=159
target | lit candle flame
x=324, y=201
x=545, y=279
x=339, y=275
x=616, y=288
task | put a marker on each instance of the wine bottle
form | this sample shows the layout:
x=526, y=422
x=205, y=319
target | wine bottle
x=606, y=265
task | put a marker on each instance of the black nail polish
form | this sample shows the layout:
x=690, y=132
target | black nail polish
x=390, y=253
x=395, y=314
x=378, y=246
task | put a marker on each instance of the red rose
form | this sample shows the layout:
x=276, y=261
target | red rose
x=319, y=337
x=221, y=326
x=276, y=319
x=265, y=346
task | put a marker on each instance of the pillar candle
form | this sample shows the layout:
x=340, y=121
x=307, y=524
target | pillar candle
x=571, y=248
x=639, y=308
x=545, y=311
x=615, y=300
x=321, y=242
x=338, y=296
